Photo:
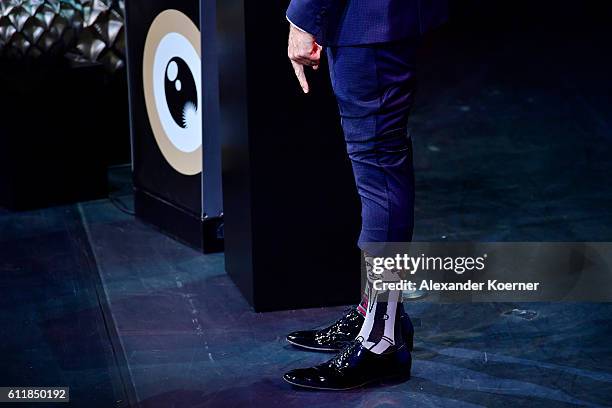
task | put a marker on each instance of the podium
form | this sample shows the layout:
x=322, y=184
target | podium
x=292, y=213
x=290, y=208
x=176, y=156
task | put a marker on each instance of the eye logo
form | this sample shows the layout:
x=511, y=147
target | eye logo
x=181, y=93
x=173, y=89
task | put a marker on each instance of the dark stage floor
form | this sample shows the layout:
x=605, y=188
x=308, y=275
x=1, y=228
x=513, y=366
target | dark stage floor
x=190, y=340
x=512, y=144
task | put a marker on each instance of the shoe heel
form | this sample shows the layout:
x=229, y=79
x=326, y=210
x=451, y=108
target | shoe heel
x=408, y=332
x=409, y=340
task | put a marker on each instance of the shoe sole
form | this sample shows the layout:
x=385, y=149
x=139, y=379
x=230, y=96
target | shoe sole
x=312, y=348
x=396, y=378
x=410, y=346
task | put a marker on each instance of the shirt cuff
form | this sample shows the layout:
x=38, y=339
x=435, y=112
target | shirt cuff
x=299, y=28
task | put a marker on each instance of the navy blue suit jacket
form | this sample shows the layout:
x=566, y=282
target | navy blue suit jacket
x=358, y=22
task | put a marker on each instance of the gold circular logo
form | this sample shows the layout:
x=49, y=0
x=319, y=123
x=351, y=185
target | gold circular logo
x=173, y=90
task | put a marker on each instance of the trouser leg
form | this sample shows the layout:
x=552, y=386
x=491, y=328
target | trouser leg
x=374, y=86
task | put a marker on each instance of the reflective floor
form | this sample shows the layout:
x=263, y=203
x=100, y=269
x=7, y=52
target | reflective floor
x=511, y=144
x=192, y=341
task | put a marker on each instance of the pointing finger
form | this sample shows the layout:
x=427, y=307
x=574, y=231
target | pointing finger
x=301, y=76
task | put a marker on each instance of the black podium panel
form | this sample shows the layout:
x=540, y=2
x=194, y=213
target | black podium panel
x=174, y=117
x=291, y=207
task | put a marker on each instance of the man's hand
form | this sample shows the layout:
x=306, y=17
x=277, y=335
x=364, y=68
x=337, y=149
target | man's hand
x=303, y=51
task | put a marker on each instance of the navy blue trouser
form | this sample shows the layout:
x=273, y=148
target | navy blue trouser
x=374, y=86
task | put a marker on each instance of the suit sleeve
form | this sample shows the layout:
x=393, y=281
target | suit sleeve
x=309, y=15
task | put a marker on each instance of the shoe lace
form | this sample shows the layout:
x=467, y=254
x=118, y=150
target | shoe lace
x=340, y=361
x=339, y=325
x=347, y=315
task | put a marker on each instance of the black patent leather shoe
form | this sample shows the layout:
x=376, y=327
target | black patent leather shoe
x=342, y=332
x=353, y=367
